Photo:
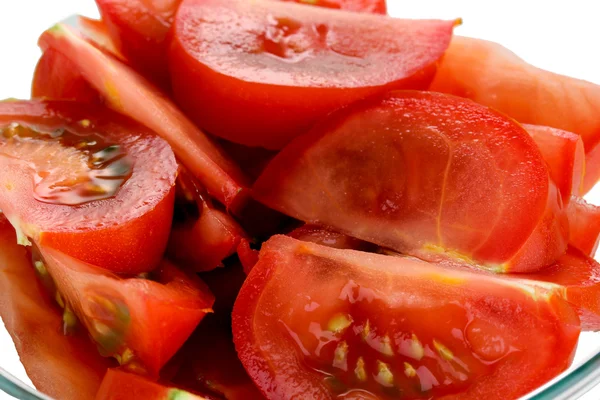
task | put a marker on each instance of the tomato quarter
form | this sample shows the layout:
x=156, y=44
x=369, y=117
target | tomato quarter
x=584, y=225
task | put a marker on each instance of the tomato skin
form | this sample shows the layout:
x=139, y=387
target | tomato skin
x=121, y=385
x=276, y=305
x=491, y=75
x=385, y=171
x=584, y=225
x=36, y=327
x=99, y=232
x=122, y=88
x=258, y=99
x=248, y=256
x=370, y=6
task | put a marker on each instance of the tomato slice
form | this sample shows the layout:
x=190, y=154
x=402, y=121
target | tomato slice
x=140, y=322
x=356, y=323
x=565, y=157
x=248, y=256
x=260, y=73
x=127, y=92
x=86, y=181
x=325, y=237
x=202, y=236
x=370, y=6
x=122, y=385
x=584, y=225
x=49, y=357
x=425, y=174
x=492, y=75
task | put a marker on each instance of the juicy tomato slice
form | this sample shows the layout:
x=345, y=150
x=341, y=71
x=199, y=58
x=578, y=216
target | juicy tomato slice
x=565, y=157
x=426, y=174
x=492, y=75
x=122, y=385
x=141, y=322
x=287, y=65
x=248, y=256
x=86, y=181
x=36, y=326
x=325, y=237
x=126, y=91
x=584, y=225
x=201, y=236
x=370, y=6
x=357, y=323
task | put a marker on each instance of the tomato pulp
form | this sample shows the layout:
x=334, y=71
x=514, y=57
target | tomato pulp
x=584, y=225
x=425, y=174
x=86, y=181
x=364, y=325
x=260, y=73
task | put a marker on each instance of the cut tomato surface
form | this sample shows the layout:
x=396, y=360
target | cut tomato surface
x=494, y=76
x=126, y=91
x=325, y=237
x=87, y=181
x=426, y=174
x=370, y=6
x=584, y=225
x=248, y=256
x=376, y=326
x=36, y=327
x=260, y=73
x=122, y=385
x=564, y=154
x=141, y=322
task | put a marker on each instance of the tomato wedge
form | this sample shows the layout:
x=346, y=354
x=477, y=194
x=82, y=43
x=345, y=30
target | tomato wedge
x=49, y=357
x=248, y=256
x=121, y=385
x=324, y=237
x=140, y=322
x=370, y=6
x=387, y=327
x=492, y=75
x=564, y=154
x=584, y=225
x=202, y=236
x=260, y=73
x=425, y=174
x=86, y=181
x=127, y=92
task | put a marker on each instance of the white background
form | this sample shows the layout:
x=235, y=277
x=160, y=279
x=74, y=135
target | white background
x=562, y=36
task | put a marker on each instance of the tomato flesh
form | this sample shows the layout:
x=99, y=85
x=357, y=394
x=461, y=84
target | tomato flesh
x=36, y=327
x=370, y=6
x=584, y=225
x=102, y=184
x=126, y=91
x=324, y=237
x=425, y=174
x=261, y=73
x=358, y=323
x=492, y=75
x=248, y=256
x=121, y=385
x=140, y=322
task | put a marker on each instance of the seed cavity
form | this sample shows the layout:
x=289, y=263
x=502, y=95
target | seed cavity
x=339, y=323
x=412, y=348
x=384, y=375
x=59, y=299
x=340, y=356
x=386, y=346
x=359, y=371
x=443, y=351
x=69, y=321
x=409, y=370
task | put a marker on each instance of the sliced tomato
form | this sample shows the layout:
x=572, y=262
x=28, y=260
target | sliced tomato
x=564, y=154
x=122, y=385
x=584, y=225
x=202, y=236
x=370, y=6
x=374, y=326
x=86, y=181
x=325, y=237
x=260, y=73
x=97, y=32
x=425, y=174
x=126, y=91
x=248, y=256
x=141, y=322
x=36, y=326
x=494, y=76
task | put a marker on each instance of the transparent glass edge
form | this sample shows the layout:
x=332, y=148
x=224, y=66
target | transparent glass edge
x=14, y=387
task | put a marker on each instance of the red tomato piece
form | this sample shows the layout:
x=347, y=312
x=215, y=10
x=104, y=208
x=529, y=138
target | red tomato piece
x=325, y=237
x=425, y=174
x=126, y=91
x=97, y=33
x=202, y=236
x=287, y=65
x=584, y=225
x=140, y=322
x=370, y=6
x=388, y=327
x=102, y=184
x=494, y=76
x=121, y=385
x=248, y=256
x=564, y=154
x=36, y=326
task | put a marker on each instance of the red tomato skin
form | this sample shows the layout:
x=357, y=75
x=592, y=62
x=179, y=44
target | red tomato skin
x=275, y=383
x=584, y=225
x=492, y=75
x=369, y=6
x=268, y=109
x=128, y=243
x=248, y=256
x=528, y=244
x=36, y=326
